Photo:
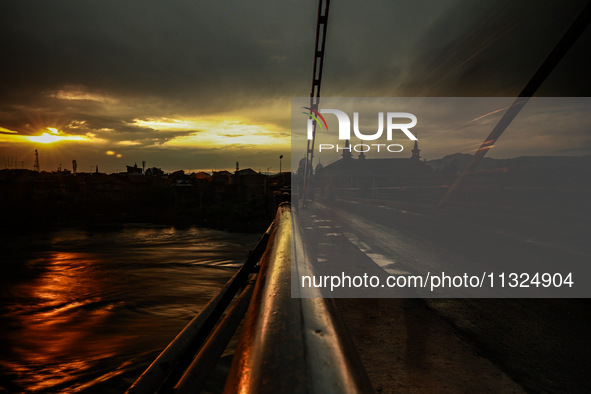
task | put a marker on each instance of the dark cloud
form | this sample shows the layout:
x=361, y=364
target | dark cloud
x=179, y=50
x=233, y=51
x=494, y=49
x=464, y=48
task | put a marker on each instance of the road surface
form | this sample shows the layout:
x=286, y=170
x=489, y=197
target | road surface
x=419, y=344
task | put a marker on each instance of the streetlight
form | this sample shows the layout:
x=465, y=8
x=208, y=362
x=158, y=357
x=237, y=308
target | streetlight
x=280, y=158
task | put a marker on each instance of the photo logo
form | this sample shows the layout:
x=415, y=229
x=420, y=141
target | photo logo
x=315, y=115
x=345, y=124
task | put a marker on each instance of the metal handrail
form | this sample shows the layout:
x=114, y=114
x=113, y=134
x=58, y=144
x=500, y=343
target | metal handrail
x=203, y=365
x=292, y=344
x=171, y=364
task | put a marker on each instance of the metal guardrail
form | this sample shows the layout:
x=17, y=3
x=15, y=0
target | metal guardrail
x=286, y=345
x=292, y=345
x=170, y=366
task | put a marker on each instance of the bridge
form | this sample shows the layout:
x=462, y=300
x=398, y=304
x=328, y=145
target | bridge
x=304, y=331
x=320, y=344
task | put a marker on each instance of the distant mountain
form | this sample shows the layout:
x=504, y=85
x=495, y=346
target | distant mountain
x=456, y=162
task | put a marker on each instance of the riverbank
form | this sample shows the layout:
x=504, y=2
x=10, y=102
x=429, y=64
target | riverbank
x=232, y=217
x=242, y=202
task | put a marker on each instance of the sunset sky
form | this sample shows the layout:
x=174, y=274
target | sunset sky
x=199, y=85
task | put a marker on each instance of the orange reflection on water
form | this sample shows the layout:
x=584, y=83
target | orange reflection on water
x=56, y=341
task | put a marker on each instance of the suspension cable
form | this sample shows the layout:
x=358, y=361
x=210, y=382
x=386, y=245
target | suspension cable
x=321, y=25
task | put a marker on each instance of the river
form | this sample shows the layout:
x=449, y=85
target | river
x=89, y=310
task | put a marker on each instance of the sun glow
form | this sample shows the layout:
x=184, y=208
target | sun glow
x=48, y=136
x=217, y=132
x=7, y=131
x=54, y=135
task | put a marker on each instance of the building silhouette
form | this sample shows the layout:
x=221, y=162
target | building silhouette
x=367, y=172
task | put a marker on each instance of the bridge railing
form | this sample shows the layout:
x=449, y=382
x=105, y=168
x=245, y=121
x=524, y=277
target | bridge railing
x=292, y=344
x=286, y=344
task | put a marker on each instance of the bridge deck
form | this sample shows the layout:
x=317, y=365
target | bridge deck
x=448, y=345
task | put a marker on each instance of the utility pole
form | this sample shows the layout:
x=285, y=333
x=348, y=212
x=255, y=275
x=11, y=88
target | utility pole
x=36, y=166
x=280, y=176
